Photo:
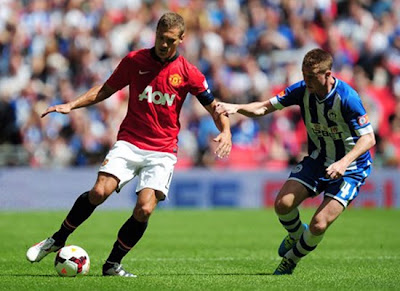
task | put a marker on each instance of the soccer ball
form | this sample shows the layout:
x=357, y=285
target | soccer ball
x=72, y=261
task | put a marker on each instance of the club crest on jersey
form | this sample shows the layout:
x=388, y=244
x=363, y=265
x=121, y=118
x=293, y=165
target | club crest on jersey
x=362, y=120
x=105, y=162
x=175, y=80
x=281, y=94
x=297, y=169
x=331, y=115
x=334, y=129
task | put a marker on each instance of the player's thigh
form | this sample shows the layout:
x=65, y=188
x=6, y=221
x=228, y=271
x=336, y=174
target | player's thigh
x=346, y=189
x=329, y=210
x=122, y=162
x=291, y=195
x=106, y=183
x=157, y=174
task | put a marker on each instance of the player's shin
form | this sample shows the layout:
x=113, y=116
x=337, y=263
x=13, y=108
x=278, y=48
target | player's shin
x=80, y=211
x=129, y=234
x=306, y=244
x=292, y=223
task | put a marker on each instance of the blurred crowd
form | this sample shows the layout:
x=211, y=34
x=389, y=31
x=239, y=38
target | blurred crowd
x=51, y=51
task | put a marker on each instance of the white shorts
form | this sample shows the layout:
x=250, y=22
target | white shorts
x=154, y=169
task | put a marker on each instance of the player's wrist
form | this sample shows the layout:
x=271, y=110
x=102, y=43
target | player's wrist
x=226, y=132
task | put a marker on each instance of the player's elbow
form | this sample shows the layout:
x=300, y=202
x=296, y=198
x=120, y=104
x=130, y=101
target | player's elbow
x=262, y=111
x=252, y=113
x=371, y=140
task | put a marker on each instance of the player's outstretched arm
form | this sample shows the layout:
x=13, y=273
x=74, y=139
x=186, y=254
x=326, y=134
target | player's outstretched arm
x=224, y=139
x=253, y=109
x=94, y=95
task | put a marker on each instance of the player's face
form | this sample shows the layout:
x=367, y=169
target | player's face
x=167, y=42
x=316, y=80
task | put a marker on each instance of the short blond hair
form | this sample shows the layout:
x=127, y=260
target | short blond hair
x=171, y=20
x=318, y=58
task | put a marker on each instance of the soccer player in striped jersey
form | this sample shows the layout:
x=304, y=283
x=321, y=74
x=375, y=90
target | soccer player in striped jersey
x=338, y=161
x=159, y=80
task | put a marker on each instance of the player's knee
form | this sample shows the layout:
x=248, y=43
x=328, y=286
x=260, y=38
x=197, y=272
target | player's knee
x=142, y=212
x=318, y=227
x=98, y=195
x=282, y=206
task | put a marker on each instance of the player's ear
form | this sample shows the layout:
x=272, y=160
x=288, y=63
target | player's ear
x=181, y=38
x=328, y=74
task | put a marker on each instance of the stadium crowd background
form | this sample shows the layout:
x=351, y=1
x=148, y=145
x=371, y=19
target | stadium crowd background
x=51, y=51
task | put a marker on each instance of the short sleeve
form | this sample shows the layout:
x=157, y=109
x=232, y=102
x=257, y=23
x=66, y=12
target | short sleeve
x=356, y=116
x=121, y=77
x=288, y=97
x=197, y=81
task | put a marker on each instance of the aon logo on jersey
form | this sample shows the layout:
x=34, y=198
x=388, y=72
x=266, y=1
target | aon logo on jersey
x=156, y=97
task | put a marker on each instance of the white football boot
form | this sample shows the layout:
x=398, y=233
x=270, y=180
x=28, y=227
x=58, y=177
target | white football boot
x=38, y=251
x=117, y=270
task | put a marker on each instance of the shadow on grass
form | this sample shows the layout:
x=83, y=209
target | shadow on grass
x=142, y=275
x=29, y=275
x=206, y=274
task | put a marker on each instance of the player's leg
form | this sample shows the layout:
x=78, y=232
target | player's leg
x=338, y=194
x=286, y=207
x=154, y=178
x=83, y=207
x=132, y=231
x=326, y=214
x=302, y=183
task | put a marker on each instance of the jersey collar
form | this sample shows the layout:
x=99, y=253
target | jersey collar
x=154, y=56
x=331, y=93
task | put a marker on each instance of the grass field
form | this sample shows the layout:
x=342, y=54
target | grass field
x=208, y=250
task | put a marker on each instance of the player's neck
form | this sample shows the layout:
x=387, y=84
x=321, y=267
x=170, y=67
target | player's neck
x=321, y=95
x=164, y=60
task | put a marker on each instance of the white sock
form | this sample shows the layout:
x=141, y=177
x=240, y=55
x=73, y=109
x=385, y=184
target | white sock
x=292, y=223
x=306, y=244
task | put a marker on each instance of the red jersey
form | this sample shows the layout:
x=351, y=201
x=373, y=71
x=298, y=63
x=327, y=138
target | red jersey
x=156, y=94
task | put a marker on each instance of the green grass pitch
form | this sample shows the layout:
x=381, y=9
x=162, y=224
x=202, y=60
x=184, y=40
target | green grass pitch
x=224, y=249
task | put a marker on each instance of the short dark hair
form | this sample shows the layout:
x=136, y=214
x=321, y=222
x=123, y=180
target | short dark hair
x=318, y=57
x=171, y=20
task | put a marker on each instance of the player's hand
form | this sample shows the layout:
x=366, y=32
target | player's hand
x=225, y=145
x=226, y=108
x=61, y=108
x=336, y=170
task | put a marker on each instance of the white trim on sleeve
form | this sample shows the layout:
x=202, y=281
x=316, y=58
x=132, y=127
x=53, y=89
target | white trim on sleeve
x=274, y=101
x=364, y=130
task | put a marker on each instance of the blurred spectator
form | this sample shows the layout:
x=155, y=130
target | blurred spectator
x=9, y=133
x=51, y=51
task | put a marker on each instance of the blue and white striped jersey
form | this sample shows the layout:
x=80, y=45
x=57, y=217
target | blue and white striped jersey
x=334, y=124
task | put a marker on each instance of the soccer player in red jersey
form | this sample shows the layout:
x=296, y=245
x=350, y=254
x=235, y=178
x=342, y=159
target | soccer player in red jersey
x=159, y=80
